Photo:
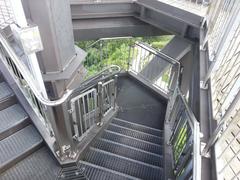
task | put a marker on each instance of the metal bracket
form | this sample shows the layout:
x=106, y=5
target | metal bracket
x=203, y=85
x=70, y=111
x=100, y=124
x=65, y=148
x=206, y=155
x=202, y=48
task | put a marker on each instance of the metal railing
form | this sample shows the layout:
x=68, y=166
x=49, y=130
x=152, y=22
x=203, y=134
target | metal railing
x=163, y=71
x=84, y=112
x=185, y=139
x=22, y=73
x=109, y=92
x=25, y=81
x=43, y=107
x=90, y=107
x=222, y=42
x=158, y=69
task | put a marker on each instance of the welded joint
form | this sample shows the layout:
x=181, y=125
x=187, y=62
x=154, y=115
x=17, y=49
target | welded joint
x=66, y=152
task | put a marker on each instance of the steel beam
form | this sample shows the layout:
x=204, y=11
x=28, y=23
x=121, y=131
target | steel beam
x=93, y=20
x=170, y=11
x=60, y=61
x=89, y=29
x=204, y=110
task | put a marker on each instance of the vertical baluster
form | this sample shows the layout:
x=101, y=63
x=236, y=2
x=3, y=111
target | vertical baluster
x=75, y=119
x=89, y=110
x=84, y=113
x=100, y=103
x=129, y=58
x=115, y=91
x=80, y=115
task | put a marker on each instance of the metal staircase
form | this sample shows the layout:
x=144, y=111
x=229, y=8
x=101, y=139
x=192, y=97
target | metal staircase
x=130, y=148
x=127, y=149
x=23, y=154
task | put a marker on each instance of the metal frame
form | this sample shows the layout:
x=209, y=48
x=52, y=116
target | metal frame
x=222, y=43
x=142, y=57
x=42, y=106
x=184, y=139
x=84, y=112
x=185, y=135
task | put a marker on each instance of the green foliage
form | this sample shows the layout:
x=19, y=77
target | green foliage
x=114, y=52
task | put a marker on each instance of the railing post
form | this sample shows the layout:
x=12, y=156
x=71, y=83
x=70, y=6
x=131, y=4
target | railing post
x=129, y=58
x=100, y=103
x=115, y=91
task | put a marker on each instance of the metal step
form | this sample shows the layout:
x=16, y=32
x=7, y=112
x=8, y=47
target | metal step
x=72, y=172
x=95, y=172
x=7, y=97
x=123, y=164
x=138, y=127
x=18, y=146
x=133, y=142
x=12, y=119
x=136, y=134
x=129, y=152
x=40, y=165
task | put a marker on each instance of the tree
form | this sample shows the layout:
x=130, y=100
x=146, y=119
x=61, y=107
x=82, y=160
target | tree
x=115, y=52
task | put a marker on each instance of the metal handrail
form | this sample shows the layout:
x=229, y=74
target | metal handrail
x=166, y=87
x=24, y=71
x=102, y=73
x=157, y=53
x=185, y=137
x=185, y=119
x=22, y=68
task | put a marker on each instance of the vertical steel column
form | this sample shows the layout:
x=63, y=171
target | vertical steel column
x=60, y=60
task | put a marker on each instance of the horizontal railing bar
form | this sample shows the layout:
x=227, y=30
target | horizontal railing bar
x=157, y=53
x=83, y=94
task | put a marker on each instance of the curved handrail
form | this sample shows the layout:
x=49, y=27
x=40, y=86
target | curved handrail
x=118, y=69
x=24, y=71
x=92, y=81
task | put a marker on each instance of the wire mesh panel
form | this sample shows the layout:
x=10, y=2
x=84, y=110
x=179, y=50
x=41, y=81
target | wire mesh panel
x=228, y=150
x=222, y=15
x=6, y=13
x=224, y=48
x=223, y=39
